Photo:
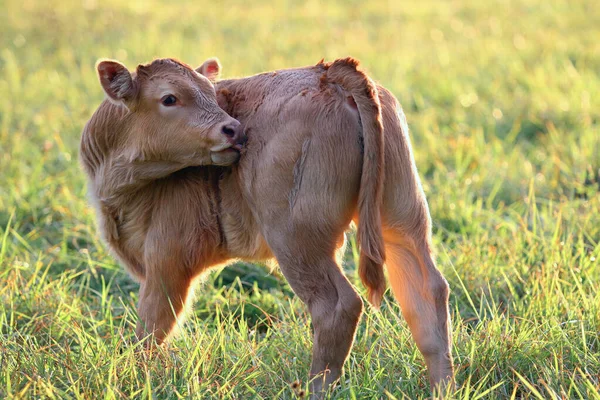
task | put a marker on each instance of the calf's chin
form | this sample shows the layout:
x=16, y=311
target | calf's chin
x=225, y=158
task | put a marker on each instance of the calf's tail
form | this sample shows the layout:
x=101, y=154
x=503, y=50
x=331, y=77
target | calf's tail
x=363, y=90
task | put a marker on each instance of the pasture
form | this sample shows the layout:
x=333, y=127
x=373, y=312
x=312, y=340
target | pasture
x=502, y=98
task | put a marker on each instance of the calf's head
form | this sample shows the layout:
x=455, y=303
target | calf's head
x=172, y=115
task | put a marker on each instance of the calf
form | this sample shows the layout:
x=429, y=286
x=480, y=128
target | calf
x=326, y=146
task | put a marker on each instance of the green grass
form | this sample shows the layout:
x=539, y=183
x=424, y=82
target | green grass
x=503, y=101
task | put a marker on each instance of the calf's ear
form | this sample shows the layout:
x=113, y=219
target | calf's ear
x=210, y=68
x=116, y=80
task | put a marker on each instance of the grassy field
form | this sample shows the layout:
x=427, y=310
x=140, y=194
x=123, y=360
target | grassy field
x=503, y=101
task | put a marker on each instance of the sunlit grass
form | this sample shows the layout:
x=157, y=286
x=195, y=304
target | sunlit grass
x=502, y=100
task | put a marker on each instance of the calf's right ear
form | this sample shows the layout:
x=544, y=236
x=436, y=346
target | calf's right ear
x=116, y=80
x=210, y=68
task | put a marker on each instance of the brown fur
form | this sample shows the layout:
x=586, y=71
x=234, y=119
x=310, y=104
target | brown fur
x=314, y=161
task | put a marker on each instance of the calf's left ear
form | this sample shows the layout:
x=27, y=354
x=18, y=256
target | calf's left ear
x=210, y=68
x=116, y=80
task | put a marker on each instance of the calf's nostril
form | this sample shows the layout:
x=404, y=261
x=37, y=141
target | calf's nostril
x=228, y=130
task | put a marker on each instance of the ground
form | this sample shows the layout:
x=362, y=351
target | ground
x=502, y=100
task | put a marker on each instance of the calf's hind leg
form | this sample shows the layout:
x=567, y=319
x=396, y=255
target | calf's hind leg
x=334, y=306
x=422, y=293
x=417, y=284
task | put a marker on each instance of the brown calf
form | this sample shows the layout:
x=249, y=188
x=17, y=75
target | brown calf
x=316, y=159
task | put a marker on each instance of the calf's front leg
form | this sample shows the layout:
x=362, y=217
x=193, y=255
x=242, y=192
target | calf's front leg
x=164, y=291
x=161, y=304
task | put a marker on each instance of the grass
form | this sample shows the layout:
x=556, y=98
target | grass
x=502, y=99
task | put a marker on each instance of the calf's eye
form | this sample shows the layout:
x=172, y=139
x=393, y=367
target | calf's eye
x=169, y=100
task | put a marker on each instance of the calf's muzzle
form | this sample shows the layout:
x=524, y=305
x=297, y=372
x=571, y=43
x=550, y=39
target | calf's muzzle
x=235, y=134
